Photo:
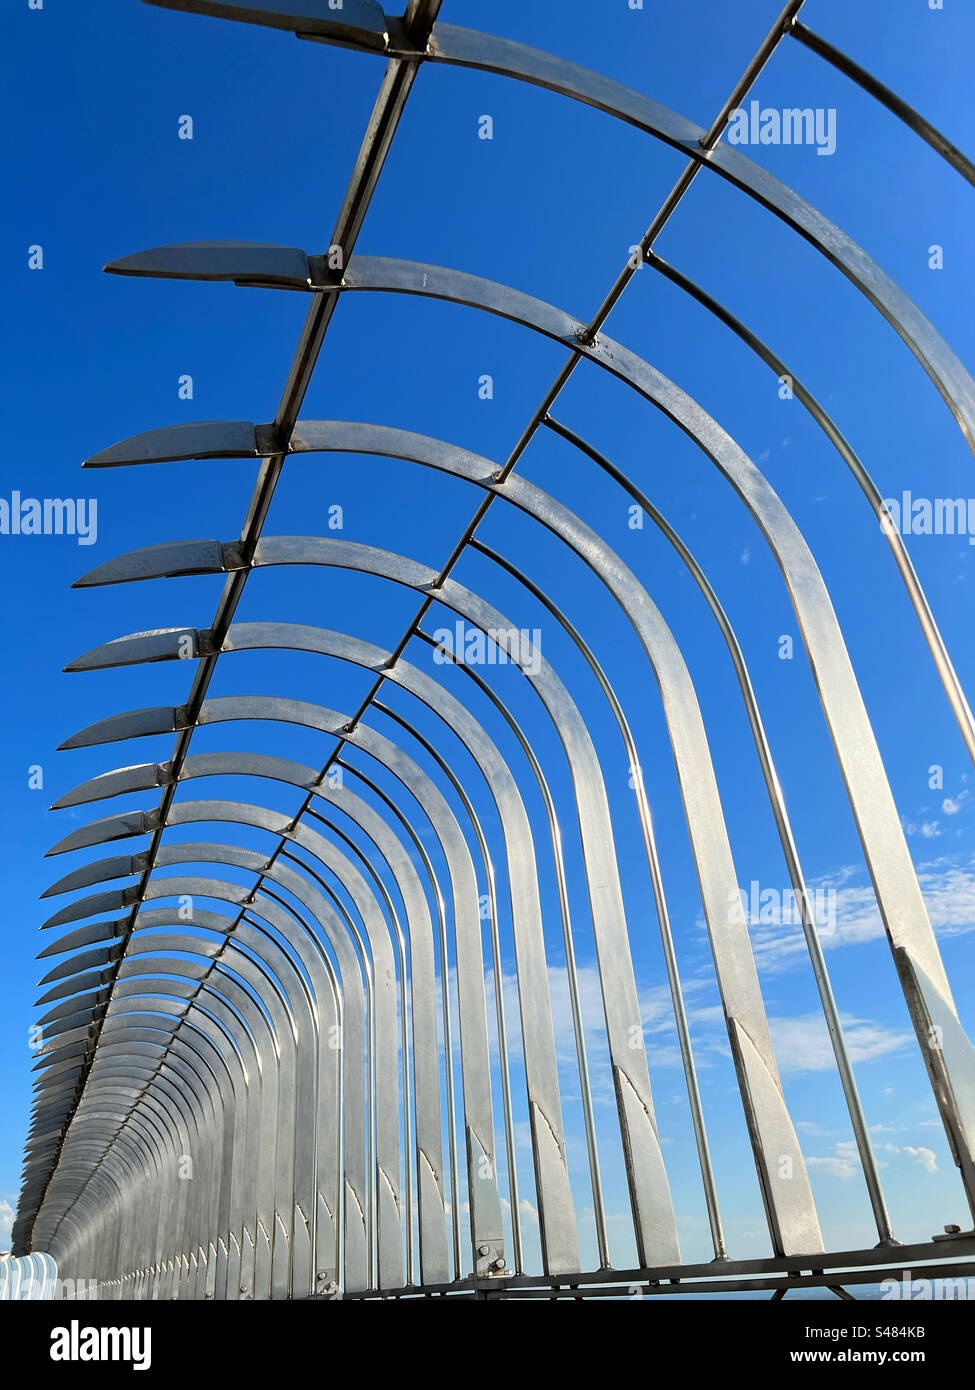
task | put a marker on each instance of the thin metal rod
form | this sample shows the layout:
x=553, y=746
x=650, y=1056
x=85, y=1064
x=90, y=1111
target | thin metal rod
x=900, y=108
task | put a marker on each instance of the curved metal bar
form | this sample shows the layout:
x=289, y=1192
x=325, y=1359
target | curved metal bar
x=224, y=854
x=329, y=1153
x=518, y=833
x=418, y=19
x=192, y=1057
x=134, y=1037
x=150, y=1136
x=900, y=108
x=144, y=1062
x=556, y=1214
x=357, y=23
x=567, y=937
x=356, y=1158
x=377, y=1009
x=129, y=1159
x=138, y=1216
x=407, y=42
x=147, y=1139
x=874, y=811
x=467, y=48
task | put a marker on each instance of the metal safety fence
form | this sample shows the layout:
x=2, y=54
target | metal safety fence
x=291, y=1021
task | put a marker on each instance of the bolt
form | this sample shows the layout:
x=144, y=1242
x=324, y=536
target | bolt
x=498, y=1263
x=484, y=1250
x=952, y=1230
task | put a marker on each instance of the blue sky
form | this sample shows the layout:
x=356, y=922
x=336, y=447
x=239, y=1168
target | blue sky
x=550, y=205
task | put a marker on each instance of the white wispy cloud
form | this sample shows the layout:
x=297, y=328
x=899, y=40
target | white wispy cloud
x=528, y=1212
x=924, y=1157
x=843, y=1162
x=809, y=1127
x=803, y=1045
x=948, y=886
